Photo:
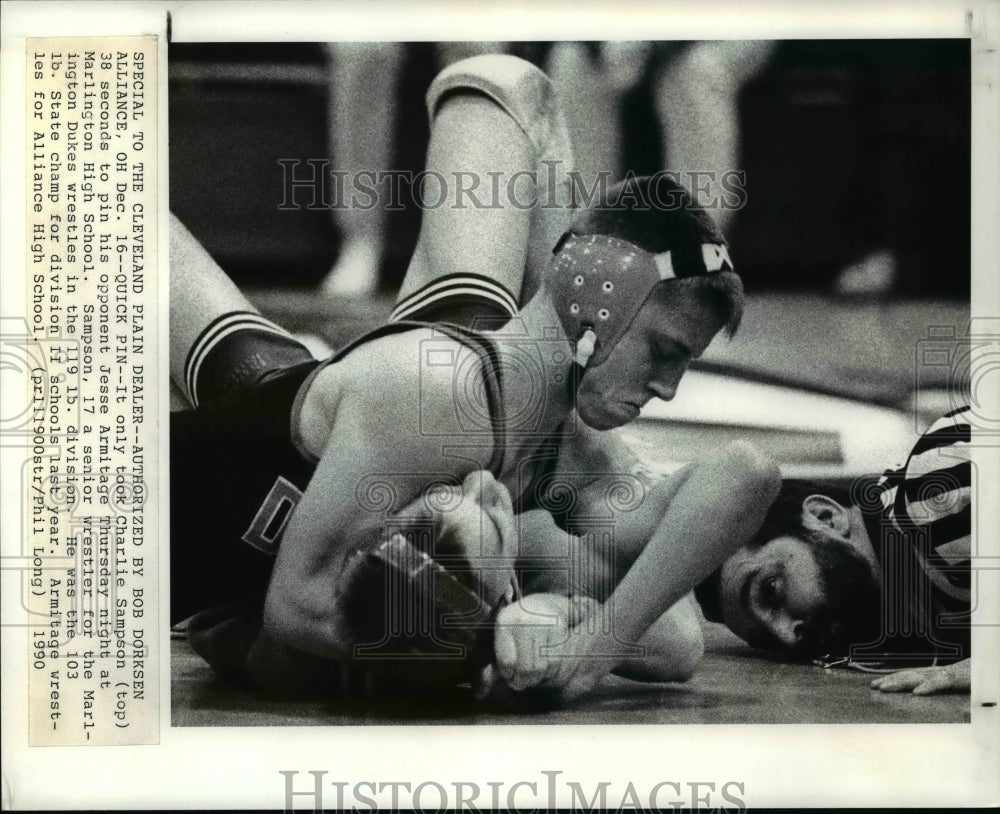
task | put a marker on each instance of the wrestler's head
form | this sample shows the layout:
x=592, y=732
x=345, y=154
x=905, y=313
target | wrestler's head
x=800, y=585
x=470, y=530
x=642, y=282
x=421, y=604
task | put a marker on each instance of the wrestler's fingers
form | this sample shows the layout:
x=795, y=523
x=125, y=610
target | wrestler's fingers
x=504, y=651
x=530, y=669
x=515, y=655
x=582, y=682
x=522, y=630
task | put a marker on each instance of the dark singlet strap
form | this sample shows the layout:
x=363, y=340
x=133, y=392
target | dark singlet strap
x=492, y=377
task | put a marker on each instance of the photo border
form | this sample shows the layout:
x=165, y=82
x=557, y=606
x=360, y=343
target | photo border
x=844, y=765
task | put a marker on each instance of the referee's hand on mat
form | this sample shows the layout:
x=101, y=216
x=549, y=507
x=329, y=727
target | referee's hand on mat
x=928, y=680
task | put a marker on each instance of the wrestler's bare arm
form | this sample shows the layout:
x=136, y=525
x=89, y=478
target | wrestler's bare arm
x=606, y=473
x=672, y=647
x=375, y=431
x=716, y=508
x=559, y=564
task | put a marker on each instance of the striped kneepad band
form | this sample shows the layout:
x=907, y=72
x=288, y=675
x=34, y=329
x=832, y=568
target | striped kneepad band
x=252, y=346
x=458, y=288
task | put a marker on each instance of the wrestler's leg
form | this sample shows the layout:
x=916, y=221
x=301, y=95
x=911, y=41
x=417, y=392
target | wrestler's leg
x=591, y=103
x=218, y=340
x=178, y=401
x=498, y=134
x=361, y=127
x=696, y=101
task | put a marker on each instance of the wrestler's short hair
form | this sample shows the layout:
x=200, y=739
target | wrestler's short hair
x=658, y=214
x=654, y=212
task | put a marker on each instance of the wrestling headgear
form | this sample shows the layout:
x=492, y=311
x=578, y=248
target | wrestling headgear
x=598, y=284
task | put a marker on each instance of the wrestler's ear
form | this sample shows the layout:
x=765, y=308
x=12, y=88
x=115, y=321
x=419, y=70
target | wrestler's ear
x=820, y=512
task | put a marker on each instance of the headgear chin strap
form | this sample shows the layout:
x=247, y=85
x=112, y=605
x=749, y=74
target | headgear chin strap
x=585, y=346
x=598, y=284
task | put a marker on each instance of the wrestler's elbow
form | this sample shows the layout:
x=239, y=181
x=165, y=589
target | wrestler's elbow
x=291, y=618
x=279, y=622
x=692, y=643
x=672, y=649
x=685, y=654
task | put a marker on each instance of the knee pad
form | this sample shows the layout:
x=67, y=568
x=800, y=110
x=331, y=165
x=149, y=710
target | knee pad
x=237, y=350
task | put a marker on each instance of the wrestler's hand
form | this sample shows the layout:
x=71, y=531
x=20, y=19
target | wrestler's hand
x=927, y=680
x=539, y=642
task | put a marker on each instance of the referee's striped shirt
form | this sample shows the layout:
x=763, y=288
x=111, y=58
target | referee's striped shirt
x=922, y=536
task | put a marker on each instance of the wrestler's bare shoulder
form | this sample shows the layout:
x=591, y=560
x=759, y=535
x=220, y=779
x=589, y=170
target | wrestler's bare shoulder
x=409, y=372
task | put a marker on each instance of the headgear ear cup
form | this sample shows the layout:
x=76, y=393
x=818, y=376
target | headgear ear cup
x=598, y=283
